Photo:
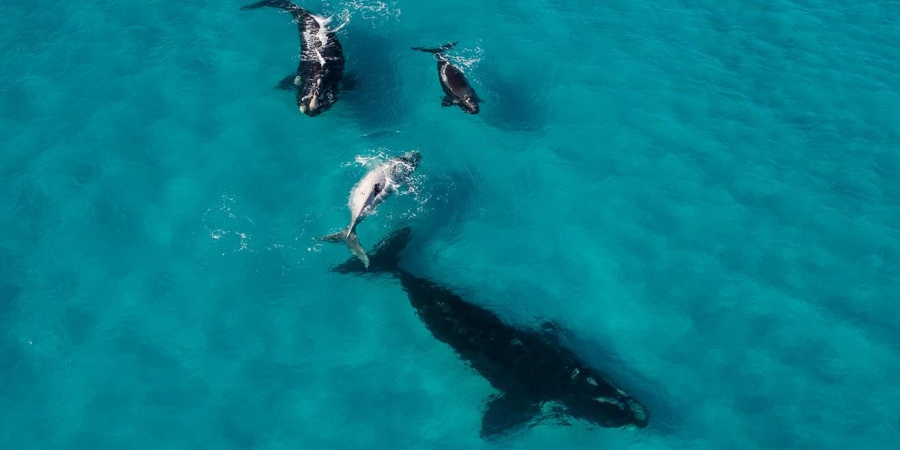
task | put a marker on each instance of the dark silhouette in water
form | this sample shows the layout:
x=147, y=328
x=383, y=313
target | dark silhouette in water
x=321, y=65
x=528, y=367
x=453, y=81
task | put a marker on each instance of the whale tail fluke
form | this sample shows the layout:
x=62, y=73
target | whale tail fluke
x=348, y=236
x=438, y=50
x=286, y=5
x=384, y=258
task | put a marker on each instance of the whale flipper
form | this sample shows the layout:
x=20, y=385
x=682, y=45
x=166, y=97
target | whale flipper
x=506, y=412
x=288, y=83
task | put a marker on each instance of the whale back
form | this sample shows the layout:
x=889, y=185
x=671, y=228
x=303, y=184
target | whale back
x=457, y=87
x=364, y=196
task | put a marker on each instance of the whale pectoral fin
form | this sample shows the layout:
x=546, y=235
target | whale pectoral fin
x=288, y=83
x=506, y=412
x=447, y=101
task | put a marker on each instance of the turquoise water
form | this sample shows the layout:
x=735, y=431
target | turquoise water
x=704, y=193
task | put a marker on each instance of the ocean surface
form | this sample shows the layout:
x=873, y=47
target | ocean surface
x=702, y=193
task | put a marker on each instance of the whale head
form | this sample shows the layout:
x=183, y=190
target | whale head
x=593, y=399
x=316, y=97
x=309, y=105
x=411, y=158
x=403, y=166
x=469, y=104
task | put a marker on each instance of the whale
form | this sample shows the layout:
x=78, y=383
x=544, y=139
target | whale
x=369, y=192
x=535, y=374
x=457, y=90
x=321, y=68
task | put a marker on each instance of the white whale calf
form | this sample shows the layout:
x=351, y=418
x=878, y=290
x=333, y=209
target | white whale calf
x=369, y=192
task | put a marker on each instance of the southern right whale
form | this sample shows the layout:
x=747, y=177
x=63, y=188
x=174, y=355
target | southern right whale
x=321, y=65
x=531, y=369
x=453, y=81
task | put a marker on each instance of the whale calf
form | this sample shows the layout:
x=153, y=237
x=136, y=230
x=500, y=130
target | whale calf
x=457, y=90
x=371, y=191
x=531, y=369
x=321, y=65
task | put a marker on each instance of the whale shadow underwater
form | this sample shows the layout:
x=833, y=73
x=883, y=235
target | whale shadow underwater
x=536, y=375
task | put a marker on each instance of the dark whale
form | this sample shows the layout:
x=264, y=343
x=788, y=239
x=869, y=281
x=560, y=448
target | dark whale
x=321, y=65
x=453, y=81
x=531, y=369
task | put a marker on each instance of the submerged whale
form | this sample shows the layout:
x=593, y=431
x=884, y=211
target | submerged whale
x=369, y=192
x=321, y=65
x=453, y=81
x=531, y=369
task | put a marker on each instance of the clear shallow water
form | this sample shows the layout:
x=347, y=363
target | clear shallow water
x=704, y=193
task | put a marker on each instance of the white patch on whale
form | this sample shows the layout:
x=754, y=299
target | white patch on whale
x=611, y=401
x=322, y=34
